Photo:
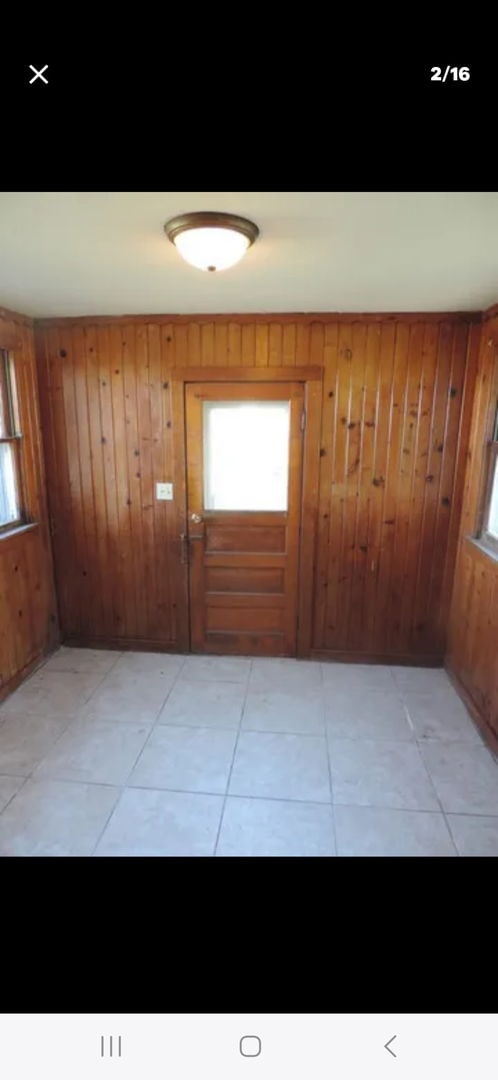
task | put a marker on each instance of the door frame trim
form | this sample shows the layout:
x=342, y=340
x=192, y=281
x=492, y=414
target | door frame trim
x=312, y=379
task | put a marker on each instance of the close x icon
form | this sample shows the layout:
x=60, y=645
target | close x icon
x=37, y=74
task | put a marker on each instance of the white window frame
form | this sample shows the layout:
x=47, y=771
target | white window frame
x=13, y=436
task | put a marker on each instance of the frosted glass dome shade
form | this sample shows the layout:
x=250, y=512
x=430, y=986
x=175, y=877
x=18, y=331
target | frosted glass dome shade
x=211, y=249
x=211, y=241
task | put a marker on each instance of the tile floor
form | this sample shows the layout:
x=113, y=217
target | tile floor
x=110, y=754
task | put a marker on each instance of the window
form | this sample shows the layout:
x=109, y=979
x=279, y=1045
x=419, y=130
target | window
x=489, y=532
x=10, y=474
x=246, y=455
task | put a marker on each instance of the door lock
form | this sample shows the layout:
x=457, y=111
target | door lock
x=184, y=549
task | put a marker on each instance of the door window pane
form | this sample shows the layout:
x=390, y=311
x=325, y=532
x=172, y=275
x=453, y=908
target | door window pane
x=246, y=455
x=9, y=506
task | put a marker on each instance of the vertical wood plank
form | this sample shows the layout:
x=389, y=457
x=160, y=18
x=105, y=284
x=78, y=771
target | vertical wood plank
x=220, y=345
x=248, y=358
x=378, y=426
x=234, y=345
x=289, y=344
x=118, y=345
x=343, y=496
x=107, y=375
x=262, y=345
x=275, y=345
x=160, y=605
x=101, y=571
x=194, y=349
x=207, y=344
x=328, y=432
x=412, y=628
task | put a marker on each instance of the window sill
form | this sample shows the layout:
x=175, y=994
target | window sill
x=18, y=529
x=491, y=554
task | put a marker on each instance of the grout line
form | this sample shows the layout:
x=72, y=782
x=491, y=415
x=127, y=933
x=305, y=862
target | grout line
x=126, y=786
x=221, y=795
x=450, y=834
x=261, y=731
x=329, y=766
x=434, y=789
x=384, y=806
x=121, y=791
x=168, y=695
x=23, y=778
x=76, y=716
x=71, y=719
x=256, y=798
x=419, y=743
x=229, y=777
x=121, y=788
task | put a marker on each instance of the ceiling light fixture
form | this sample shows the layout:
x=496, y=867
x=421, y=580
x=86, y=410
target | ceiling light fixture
x=211, y=241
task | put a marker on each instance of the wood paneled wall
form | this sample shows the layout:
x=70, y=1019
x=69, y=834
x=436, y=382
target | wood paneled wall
x=396, y=393
x=28, y=613
x=473, y=625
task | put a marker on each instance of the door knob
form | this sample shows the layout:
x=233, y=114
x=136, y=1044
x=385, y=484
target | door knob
x=196, y=518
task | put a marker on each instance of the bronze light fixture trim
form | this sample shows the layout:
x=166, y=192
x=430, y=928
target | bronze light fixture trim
x=210, y=240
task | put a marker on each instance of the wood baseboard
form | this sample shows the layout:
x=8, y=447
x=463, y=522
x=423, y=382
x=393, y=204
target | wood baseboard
x=122, y=644
x=403, y=659
x=489, y=736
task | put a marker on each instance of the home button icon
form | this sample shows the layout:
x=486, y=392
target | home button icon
x=250, y=1046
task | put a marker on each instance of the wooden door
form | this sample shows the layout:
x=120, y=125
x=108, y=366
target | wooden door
x=244, y=458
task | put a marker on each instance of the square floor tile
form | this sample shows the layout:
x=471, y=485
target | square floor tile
x=217, y=668
x=277, y=673
x=87, y=661
x=52, y=818
x=264, y=827
x=9, y=786
x=193, y=703
x=281, y=767
x=126, y=696
x=420, y=679
x=155, y=823
x=441, y=715
x=95, y=751
x=383, y=773
x=185, y=759
x=156, y=663
x=374, y=831
x=474, y=836
x=356, y=677
x=301, y=712
x=465, y=777
x=361, y=714
x=25, y=740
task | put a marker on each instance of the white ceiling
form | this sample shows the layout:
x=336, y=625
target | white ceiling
x=105, y=252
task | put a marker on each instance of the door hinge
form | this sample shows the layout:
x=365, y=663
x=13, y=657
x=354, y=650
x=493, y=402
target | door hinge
x=303, y=419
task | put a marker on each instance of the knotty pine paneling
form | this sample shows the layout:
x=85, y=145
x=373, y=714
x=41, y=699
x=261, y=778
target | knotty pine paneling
x=396, y=399
x=392, y=409
x=28, y=613
x=473, y=624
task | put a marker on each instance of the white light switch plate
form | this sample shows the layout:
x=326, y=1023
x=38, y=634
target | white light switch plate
x=164, y=491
